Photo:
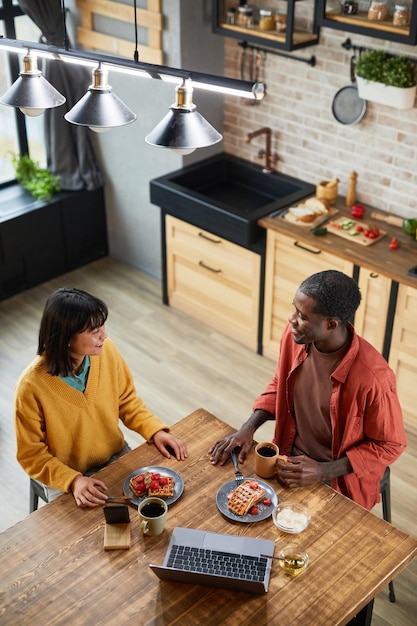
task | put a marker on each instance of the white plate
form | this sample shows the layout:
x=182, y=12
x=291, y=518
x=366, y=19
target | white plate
x=263, y=511
x=156, y=469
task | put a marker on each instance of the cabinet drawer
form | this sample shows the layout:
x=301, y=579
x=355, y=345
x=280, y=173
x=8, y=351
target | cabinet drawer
x=288, y=263
x=213, y=280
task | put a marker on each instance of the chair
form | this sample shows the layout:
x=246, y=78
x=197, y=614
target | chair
x=36, y=490
x=385, y=490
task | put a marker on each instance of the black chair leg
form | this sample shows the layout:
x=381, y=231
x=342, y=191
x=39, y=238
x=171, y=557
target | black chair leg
x=386, y=514
x=33, y=500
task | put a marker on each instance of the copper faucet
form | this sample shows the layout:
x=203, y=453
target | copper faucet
x=269, y=158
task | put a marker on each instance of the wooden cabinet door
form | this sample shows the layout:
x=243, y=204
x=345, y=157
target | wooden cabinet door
x=213, y=280
x=403, y=358
x=371, y=315
x=288, y=263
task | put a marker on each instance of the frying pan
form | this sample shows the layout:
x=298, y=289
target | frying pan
x=347, y=107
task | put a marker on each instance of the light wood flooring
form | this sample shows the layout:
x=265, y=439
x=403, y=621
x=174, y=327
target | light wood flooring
x=179, y=365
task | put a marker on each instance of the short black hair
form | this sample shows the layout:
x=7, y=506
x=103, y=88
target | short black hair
x=67, y=311
x=336, y=295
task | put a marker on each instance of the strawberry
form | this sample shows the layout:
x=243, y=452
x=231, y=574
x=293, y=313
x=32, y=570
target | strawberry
x=267, y=501
x=154, y=485
x=163, y=481
x=155, y=476
x=254, y=510
x=253, y=484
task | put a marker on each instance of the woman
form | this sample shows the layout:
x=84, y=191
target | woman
x=70, y=398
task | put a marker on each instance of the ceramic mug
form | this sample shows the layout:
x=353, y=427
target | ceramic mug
x=266, y=455
x=152, y=515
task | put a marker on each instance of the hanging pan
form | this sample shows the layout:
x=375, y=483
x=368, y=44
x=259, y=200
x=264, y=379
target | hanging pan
x=347, y=107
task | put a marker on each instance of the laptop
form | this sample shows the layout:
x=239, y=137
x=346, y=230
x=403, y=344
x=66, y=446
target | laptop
x=201, y=557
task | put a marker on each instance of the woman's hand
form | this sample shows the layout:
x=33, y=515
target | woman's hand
x=167, y=444
x=221, y=450
x=86, y=491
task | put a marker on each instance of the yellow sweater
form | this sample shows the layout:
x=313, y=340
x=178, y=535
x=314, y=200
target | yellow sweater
x=62, y=432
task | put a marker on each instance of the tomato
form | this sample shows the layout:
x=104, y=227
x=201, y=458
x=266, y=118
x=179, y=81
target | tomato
x=359, y=228
x=394, y=244
x=357, y=210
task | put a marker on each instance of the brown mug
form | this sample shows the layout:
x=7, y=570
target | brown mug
x=266, y=455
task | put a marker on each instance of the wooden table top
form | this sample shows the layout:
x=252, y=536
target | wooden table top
x=54, y=570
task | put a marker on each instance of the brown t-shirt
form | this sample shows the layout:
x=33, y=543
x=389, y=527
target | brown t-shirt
x=312, y=391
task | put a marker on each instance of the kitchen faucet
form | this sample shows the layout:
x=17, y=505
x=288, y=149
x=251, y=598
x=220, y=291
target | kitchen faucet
x=269, y=158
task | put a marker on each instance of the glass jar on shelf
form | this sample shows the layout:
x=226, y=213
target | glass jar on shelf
x=266, y=19
x=401, y=15
x=378, y=11
x=245, y=16
x=348, y=7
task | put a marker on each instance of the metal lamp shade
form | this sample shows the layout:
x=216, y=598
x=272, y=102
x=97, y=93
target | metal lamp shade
x=182, y=129
x=100, y=108
x=31, y=92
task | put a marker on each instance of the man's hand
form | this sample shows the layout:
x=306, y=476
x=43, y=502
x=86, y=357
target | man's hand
x=86, y=491
x=167, y=444
x=300, y=471
x=221, y=450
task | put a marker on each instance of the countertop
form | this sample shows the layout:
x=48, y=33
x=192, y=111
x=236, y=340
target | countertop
x=377, y=257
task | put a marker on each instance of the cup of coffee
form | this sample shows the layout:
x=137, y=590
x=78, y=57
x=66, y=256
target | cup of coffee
x=152, y=515
x=266, y=454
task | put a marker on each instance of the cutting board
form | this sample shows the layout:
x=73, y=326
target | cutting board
x=334, y=227
x=319, y=219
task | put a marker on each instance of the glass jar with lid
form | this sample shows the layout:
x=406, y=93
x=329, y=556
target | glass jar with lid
x=401, y=15
x=378, y=11
x=348, y=7
x=266, y=19
x=245, y=16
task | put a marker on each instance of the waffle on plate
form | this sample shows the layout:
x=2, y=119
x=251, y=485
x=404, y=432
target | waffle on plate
x=245, y=497
x=148, y=484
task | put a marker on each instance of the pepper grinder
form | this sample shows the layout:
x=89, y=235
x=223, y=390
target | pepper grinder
x=351, y=194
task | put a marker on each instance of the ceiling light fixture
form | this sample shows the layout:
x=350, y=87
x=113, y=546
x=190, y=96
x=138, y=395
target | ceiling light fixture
x=220, y=84
x=31, y=92
x=100, y=109
x=183, y=129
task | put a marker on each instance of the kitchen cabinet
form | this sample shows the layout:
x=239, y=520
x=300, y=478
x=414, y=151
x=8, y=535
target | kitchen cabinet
x=403, y=358
x=329, y=14
x=293, y=26
x=41, y=240
x=288, y=263
x=213, y=280
x=377, y=291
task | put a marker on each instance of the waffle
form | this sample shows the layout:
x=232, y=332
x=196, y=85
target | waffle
x=148, y=484
x=245, y=496
x=163, y=491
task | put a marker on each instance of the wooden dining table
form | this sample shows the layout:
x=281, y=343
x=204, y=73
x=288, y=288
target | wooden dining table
x=54, y=569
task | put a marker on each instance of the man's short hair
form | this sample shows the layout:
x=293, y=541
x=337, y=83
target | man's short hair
x=336, y=295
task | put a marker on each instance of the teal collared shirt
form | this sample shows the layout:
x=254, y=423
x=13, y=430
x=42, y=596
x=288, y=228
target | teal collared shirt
x=79, y=381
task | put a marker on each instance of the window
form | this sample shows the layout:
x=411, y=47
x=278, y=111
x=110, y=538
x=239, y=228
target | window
x=18, y=133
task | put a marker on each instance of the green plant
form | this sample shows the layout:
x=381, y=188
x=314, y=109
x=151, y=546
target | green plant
x=38, y=181
x=378, y=66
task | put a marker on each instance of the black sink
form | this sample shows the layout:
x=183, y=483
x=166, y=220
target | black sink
x=227, y=195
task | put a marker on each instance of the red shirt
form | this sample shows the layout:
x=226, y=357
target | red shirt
x=365, y=413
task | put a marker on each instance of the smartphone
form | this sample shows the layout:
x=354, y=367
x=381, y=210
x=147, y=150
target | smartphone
x=116, y=513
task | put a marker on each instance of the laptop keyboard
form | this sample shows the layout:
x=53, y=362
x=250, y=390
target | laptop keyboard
x=217, y=563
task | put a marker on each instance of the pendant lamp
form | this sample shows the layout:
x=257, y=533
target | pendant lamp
x=100, y=109
x=31, y=92
x=183, y=129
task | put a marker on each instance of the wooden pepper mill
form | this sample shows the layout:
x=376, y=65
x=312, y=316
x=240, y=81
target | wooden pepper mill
x=351, y=194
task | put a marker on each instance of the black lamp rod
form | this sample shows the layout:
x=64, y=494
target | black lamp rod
x=154, y=71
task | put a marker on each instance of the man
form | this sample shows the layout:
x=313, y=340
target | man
x=333, y=398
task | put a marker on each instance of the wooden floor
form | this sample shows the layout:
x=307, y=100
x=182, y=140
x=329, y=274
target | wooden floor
x=179, y=365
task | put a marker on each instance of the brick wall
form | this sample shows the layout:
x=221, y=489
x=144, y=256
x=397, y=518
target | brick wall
x=310, y=143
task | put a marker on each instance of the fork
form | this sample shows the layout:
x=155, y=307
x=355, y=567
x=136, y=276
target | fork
x=239, y=478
